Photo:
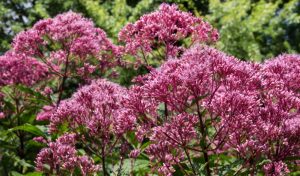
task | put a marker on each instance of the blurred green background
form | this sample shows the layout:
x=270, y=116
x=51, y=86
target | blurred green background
x=249, y=29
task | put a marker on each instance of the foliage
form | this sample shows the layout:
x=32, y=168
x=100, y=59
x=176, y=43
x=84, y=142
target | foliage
x=256, y=30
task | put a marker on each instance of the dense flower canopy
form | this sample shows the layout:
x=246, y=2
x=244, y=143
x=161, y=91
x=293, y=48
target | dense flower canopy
x=67, y=39
x=183, y=86
x=262, y=120
x=63, y=153
x=70, y=29
x=253, y=108
x=21, y=69
x=96, y=107
x=166, y=26
x=182, y=117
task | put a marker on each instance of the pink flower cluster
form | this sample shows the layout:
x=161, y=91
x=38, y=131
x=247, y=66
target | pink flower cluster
x=97, y=108
x=46, y=113
x=170, y=140
x=249, y=110
x=253, y=108
x=96, y=114
x=2, y=115
x=262, y=119
x=166, y=26
x=61, y=156
x=67, y=38
x=205, y=102
x=182, y=86
x=276, y=169
x=21, y=69
x=70, y=29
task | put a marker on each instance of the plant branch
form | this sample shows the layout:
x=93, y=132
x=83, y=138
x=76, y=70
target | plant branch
x=203, y=140
x=61, y=86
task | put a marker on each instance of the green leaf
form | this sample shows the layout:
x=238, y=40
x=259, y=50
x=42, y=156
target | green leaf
x=28, y=116
x=34, y=174
x=14, y=173
x=29, y=128
x=232, y=168
x=132, y=139
x=9, y=105
x=145, y=145
x=292, y=158
x=7, y=145
x=36, y=94
x=264, y=162
x=139, y=166
x=295, y=173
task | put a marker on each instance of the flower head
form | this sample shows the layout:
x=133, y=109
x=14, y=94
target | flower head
x=21, y=69
x=62, y=156
x=67, y=38
x=166, y=26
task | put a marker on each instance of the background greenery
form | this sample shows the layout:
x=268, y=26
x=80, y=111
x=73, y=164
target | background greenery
x=250, y=29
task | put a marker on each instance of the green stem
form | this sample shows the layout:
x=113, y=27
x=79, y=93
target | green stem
x=190, y=161
x=61, y=86
x=203, y=141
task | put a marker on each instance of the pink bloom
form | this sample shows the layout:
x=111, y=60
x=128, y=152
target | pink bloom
x=2, y=115
x=98, y=109
x=166, y=27
x=276, y=169
x=21, y=69
x=168, y=140
x=46, y=113
x=28, y=42
x=134, y=153
x=79, y=42
x=40, y=140
x=282, y=72
x=253, y=108
x=87, y=165
x=47, y=91
x=261, y=119
x=62, y=155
